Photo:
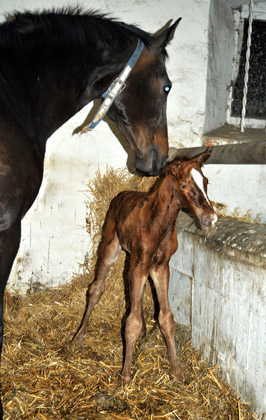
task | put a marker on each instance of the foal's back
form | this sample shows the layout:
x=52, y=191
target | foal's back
x=142, y=219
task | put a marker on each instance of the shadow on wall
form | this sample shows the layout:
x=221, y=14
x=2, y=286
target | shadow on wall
x=122, y=140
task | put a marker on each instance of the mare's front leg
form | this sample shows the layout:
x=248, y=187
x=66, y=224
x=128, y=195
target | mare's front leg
x=137, y=276
x=109, y=250
x=160, y=277
x=9, y=244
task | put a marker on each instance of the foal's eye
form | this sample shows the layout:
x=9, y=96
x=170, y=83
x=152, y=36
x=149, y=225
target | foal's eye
x=182, y=186
x=167, y=89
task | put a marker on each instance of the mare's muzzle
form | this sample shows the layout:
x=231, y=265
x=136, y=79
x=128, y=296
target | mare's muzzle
x=151, y=163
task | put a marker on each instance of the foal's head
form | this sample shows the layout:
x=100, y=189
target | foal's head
x=140, y=109
x=192, y=189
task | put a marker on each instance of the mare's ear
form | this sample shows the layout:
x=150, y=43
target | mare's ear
x=162, y=40
x=201, y=159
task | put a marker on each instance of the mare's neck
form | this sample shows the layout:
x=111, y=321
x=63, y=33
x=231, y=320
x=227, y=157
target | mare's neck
x=56, y=68
x=74, y=85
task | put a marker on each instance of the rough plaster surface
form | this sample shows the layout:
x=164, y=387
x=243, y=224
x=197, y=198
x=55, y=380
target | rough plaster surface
x=240, y=188
x=221, y=33
x=218, y=288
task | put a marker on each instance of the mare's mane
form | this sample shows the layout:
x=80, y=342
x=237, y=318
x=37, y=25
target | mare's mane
x=68, y=25
x=33, y=42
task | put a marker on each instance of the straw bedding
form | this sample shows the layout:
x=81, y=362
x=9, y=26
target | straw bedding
x=45, y=376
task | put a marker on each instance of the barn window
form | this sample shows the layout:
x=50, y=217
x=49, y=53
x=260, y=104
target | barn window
x=256, y=104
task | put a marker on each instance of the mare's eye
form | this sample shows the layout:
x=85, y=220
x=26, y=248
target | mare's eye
x=167, y=89
x=182, y=186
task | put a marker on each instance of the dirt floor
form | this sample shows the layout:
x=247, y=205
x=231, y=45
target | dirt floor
x=46, y=376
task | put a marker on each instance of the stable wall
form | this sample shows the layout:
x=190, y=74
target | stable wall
x=218, y=288
x=221, y=39
x=238, y=191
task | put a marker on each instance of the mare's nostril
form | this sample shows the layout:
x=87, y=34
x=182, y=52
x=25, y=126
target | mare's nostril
x=151, y=163
x=164, y=160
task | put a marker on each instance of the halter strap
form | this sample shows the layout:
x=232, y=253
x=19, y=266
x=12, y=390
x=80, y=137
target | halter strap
x=115, y=88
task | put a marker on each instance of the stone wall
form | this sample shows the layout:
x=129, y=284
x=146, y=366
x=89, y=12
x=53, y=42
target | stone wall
x=218, y=288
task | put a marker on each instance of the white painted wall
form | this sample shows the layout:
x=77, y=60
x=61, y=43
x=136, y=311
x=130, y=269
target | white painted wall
x=221, y=39
x=240, y=188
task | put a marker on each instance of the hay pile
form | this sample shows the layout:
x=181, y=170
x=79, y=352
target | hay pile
x=46, y=377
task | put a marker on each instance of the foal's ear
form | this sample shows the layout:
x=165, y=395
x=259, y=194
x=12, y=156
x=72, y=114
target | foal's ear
x=167, y=35
x=172, y=167
x=201, y=159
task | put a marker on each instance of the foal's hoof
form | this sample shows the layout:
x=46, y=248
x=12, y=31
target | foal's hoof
x=177, y=375
x=78, y=337
x=125, y=380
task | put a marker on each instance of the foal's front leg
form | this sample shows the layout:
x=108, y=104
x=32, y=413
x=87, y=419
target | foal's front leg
x=134, y=324
x=160, y=277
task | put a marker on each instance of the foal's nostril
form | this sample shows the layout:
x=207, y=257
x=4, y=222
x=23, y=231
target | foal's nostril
x=209, y=220
x=206, y=221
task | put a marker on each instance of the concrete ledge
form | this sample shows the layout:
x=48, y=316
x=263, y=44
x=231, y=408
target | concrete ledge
x=218, y=288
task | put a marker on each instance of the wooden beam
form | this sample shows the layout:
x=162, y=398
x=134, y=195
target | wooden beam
x=237, y=154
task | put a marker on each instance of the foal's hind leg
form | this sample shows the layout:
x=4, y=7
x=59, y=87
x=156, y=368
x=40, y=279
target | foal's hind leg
x=160, y=277
x=108, y=253
x=134, y=324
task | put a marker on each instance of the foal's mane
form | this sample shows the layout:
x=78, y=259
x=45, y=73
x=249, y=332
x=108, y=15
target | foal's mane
x=71, y=24
x=167, y=171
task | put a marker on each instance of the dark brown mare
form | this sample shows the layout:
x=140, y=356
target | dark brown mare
x=52, y=64
x=143, y=224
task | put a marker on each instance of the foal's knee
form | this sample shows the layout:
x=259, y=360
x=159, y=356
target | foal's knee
x=133, y=327
x=166, y=321
x=95, y=290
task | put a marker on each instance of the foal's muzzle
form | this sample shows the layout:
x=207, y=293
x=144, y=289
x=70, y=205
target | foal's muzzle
x=208, y=221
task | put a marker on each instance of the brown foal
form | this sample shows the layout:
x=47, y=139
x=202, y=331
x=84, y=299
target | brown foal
x=143, y=224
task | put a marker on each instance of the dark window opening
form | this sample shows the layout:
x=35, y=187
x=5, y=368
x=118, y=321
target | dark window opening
x=256, y=96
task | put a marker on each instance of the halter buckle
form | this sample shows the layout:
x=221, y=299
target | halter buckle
x=115, y=88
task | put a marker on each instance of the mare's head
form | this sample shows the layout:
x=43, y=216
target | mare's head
x=139, y=110
x=56, y=62
x=192, y=189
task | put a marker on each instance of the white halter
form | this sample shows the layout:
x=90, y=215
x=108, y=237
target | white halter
x=115, y=88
